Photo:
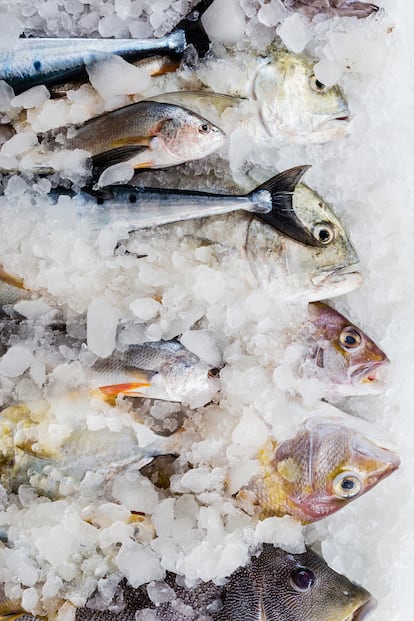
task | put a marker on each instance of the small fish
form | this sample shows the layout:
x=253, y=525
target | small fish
x=343, y=8
x=163, y=370
x=24, y=460
x=145, y=134
x=324, y=467
x=52, y=61
x=140, y=207
x=294, y=103
x=321, y=272
x=341, y=354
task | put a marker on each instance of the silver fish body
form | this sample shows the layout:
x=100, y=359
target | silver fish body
x=163, y=370
x=342, y=8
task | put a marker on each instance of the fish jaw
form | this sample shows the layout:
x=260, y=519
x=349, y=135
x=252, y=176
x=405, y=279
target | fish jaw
x=332, y=127
x=366, y=375
x=336, y=282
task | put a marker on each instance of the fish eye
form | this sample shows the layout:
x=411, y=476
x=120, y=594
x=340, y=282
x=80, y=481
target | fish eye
x=132, y=198
x=350, y=338
x=347, y=485
x=302, y=579
x=317, y=86
x=324, y=233
x=213, y=372
x=204, y=128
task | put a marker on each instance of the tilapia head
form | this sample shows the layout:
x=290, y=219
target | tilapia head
x=314, y=273
x=324, y=467
x=294, y=104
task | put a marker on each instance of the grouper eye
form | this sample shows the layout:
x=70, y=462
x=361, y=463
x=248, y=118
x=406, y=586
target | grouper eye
x=302, y=579
x=324, y=233
x=347, y=485
x=350, y=338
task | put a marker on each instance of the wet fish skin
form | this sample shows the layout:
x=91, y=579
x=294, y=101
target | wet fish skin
x=317, y=272
x=343, y=8
x=24, y=461
x=163, y=370
x=145, y=134
x=293, y=103
x=342, y=354
x=51, y=61
x=266, y=588
x=316, y=473
x=140, y=207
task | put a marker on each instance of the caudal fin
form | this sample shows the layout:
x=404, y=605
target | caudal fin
x=194, y=31
x=282, y=216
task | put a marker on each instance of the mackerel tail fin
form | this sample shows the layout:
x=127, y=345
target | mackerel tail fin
x=193, y=28
x=282, y=216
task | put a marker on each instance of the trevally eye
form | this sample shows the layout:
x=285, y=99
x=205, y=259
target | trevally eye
x=204, y=128
x=350, y=338
x=318, y=86
x=302, y=579
x=324, y=233
x=347, y=485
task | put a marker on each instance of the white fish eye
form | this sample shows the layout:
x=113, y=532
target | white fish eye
x=350, y=338
x=317, y=86
x=204, y=128
x=347, y=485
x=324, y=233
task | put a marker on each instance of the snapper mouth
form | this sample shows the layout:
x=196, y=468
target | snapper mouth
x=368, y=373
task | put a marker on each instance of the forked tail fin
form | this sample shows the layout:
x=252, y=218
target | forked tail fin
x=282, y=216
x=193, y=28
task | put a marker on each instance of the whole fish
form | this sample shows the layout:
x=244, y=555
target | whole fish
x=341, y=354
x=163, y=370
x=51, y=61
x=293, y=104
x=145, y=134
x=324, y=467
x=140, y=207
x=343, y=8
x=23, y=460
x=275, y=585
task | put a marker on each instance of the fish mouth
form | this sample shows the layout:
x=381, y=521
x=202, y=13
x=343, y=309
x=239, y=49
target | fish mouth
x=367, y=373
x=362, y=611
x=341, y=279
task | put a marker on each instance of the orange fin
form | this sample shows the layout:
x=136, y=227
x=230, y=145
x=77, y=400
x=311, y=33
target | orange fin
x=130, y=388
x=144, y=165
x=14, y=281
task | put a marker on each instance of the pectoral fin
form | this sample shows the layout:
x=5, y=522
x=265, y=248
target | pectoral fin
x=117, y=156
x=141, y=379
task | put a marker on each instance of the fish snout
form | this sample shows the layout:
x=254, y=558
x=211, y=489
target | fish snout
x=360, y=613
x=338, y=281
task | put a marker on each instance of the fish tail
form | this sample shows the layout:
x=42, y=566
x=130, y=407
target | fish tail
x=194, y=31
x=282, y=216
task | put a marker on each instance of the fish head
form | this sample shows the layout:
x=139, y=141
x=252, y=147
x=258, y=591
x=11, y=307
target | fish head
x=343, y=353
x=295, y=104
x=303, y=586
x=194, y=384
x=188, y=136
x=326, y=466
x=317, y=272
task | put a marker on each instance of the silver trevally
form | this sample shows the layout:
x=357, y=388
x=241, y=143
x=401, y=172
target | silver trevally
x=139, y=208
x=49, y=61
x=318, y=272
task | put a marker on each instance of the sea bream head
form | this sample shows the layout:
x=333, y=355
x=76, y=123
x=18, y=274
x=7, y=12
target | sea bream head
x=342, y=354
x=187, y=136
x=328, y=464
x=295, y=105
x=326, y=269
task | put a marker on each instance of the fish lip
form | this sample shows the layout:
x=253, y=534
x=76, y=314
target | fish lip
x=336, y=274
x=367, y=372
x=361, y=612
